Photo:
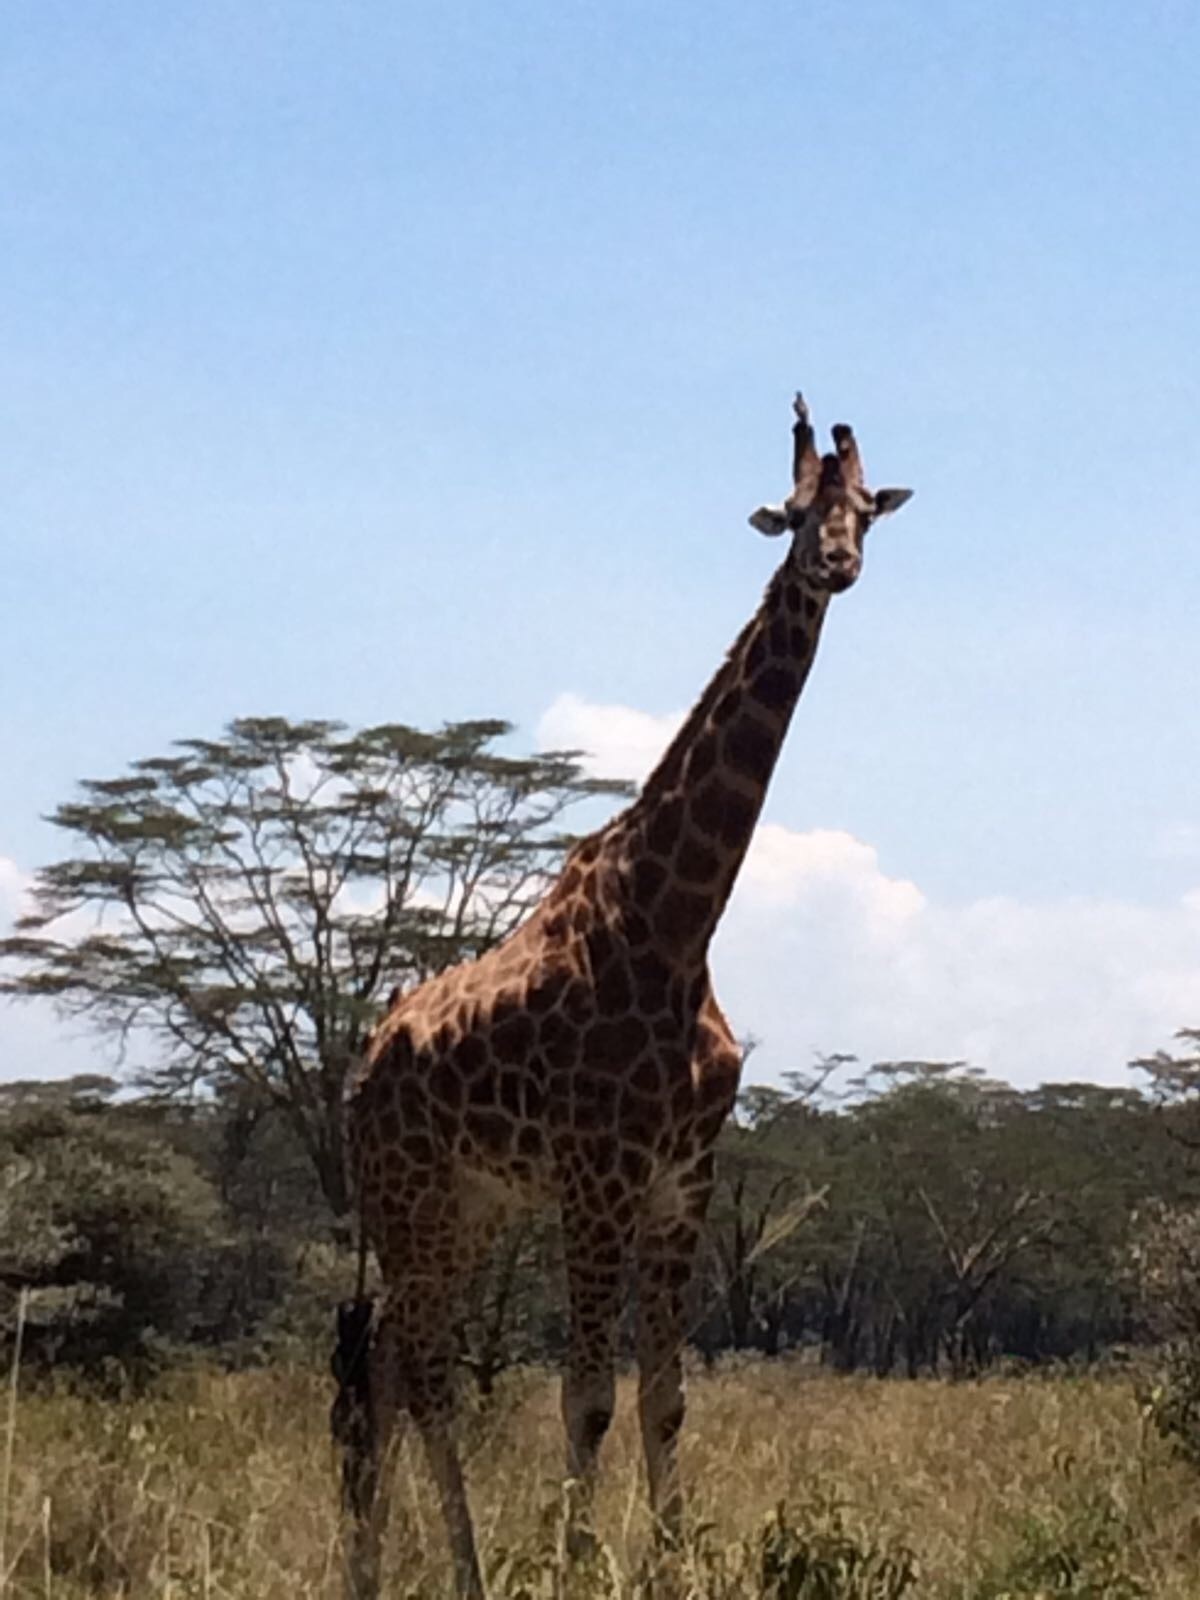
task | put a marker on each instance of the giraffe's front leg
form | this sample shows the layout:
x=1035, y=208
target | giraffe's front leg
x=595, y=1251
x=666, y=1254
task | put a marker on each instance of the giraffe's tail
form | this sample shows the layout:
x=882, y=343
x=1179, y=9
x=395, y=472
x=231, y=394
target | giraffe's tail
x=351, y=1418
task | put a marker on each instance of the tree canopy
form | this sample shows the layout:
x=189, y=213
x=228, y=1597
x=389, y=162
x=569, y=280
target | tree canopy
x=925, y=1222
x=247, y=901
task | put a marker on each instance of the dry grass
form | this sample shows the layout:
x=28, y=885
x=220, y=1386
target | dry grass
x=222, y=1486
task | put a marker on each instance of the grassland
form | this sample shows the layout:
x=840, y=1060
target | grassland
x=222, y=1487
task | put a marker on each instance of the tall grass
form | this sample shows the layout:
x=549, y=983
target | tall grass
x=10, y=1433
x=803, y=1486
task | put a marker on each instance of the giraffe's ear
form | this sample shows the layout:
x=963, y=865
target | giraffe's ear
x=769, y=520
x=887, y=500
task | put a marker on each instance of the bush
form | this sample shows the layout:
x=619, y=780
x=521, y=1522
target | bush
x=1081, y=1550
x=808, y=1553
x=1165, y=1262
x=822, y=1560
x=103, y=1228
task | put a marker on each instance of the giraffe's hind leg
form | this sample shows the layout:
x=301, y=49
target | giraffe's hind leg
x=425, y=1263
x=367, y=1473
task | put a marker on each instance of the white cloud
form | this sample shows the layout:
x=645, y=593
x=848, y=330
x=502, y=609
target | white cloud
x=34, y=1042
x=859, y=961
x=823, y=949
x=617, y=741
x=13, y=885
x=828, y=869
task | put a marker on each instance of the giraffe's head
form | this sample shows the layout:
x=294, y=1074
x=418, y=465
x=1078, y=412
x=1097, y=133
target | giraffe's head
x=829, y=509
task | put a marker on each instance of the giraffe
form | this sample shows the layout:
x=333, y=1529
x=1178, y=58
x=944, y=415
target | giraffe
x=585, y=1060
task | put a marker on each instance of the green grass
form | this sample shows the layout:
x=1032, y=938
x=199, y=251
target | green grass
x=803, y=1486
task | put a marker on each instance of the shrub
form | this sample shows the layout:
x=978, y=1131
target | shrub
x=1165, y=1263
x=1080, y=1548
x=820, y=1559
x=807, y=1553
x=103, y=1228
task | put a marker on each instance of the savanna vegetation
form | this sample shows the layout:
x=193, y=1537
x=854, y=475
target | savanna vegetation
x=804, y=1485
x=946, y=1334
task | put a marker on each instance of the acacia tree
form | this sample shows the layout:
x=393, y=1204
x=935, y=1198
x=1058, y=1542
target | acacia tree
x=764, y=1193
x=1173, y=1076
x=935, y=1203
x=248, y=900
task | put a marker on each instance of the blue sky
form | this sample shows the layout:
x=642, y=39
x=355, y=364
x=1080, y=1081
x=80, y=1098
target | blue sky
x=394, y=361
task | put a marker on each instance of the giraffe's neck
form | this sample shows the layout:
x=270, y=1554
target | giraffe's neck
x=679, y=847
